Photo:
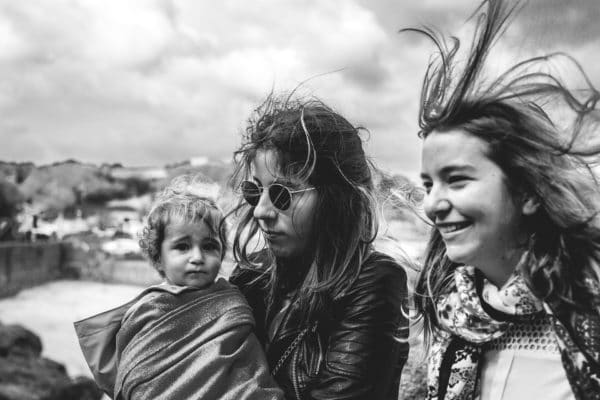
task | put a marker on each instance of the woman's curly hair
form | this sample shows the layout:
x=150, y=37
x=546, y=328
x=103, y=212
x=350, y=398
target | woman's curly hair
x=316, y=145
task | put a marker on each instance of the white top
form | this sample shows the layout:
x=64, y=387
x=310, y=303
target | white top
x=524, y=364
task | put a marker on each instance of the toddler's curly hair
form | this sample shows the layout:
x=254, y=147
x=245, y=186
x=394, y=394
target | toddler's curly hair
x=186, y=198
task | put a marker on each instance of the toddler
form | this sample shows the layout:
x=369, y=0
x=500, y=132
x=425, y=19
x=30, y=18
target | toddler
x=190, y=336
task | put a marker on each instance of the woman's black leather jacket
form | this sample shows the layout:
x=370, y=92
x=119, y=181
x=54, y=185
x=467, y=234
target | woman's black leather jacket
x=357, y=354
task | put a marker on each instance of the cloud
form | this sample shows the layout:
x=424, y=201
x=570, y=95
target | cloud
x=560, y=24
x=157, y=81
x=133, y=73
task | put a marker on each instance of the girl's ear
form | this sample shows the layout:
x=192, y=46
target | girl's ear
x=530, y=205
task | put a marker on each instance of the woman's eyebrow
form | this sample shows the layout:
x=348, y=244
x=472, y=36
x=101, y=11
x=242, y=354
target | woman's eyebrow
x=282, y=181
x=212, y=240
x=179, y=238
x=448, y=169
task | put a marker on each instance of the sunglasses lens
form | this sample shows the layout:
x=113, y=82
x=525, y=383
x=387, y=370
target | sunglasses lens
x=280, y=196
x=251, y=192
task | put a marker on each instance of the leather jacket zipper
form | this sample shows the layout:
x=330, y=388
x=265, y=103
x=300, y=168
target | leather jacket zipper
x=320, y=358
x=295, y=374
x=313, y=367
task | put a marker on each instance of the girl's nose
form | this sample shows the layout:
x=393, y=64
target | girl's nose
x=264, y=209
x=436, y=204
x=196, y=257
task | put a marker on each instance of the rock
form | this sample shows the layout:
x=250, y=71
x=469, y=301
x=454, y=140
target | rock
x=24, y=375
x=81, y=388
x=30, y=378
x=16, y=340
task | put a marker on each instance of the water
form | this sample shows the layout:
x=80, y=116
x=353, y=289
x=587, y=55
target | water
x=49, y=311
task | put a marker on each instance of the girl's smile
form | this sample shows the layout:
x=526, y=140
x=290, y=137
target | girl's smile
x=448, y=228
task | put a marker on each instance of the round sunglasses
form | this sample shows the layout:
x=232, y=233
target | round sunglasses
x=280, y=195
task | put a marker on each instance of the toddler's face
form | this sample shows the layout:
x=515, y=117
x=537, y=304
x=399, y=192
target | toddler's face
x=190, y=254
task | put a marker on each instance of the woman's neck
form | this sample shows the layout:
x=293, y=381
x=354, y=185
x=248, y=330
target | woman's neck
x=498, y=270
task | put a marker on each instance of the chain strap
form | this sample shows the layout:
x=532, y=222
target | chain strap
x=288, y=351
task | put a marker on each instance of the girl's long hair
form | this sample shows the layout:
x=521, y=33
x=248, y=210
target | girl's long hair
x=317, y=146
x=521, y=116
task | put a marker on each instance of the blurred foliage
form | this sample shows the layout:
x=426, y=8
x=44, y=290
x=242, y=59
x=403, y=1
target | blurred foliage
x=16, y=172
x=11, y=200
x=121, y=189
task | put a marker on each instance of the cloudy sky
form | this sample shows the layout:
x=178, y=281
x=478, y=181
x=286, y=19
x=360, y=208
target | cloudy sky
x=150, y=82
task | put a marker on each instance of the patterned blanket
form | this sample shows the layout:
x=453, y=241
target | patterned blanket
x=178, y=343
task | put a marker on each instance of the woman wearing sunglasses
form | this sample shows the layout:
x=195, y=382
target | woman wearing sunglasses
x=328, y=307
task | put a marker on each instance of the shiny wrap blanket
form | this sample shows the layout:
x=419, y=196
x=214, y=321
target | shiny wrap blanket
x=178, y=343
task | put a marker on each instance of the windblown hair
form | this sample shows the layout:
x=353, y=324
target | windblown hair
x=520, y=115
x=185, y=199
x=319, y=147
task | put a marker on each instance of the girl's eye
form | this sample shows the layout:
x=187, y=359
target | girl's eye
x=427, y=186
x=457, y=179
x=211, y=246
x=181, y=247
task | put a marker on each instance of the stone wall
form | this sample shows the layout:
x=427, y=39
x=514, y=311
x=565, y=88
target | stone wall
x=24, y=265
x=85, y=262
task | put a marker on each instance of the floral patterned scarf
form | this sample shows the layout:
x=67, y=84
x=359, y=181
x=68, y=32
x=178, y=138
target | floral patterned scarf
x=475, y=312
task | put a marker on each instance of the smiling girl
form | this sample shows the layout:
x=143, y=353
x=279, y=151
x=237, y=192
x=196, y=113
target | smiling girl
x=510, y=288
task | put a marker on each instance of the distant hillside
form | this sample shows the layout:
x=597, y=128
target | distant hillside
x=63, y=185
x=67, y=184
